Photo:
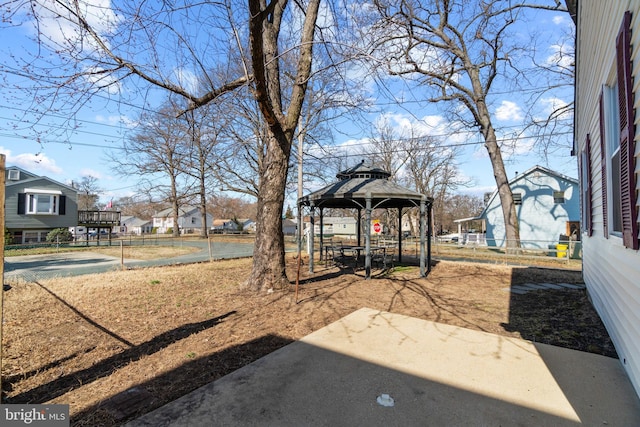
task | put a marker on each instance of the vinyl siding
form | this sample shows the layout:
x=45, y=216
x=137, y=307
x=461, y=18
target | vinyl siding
x=611, y=271
x=13, y=221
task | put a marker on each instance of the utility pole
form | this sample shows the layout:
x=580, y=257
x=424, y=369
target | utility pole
x=2, y=224
x=300, y=189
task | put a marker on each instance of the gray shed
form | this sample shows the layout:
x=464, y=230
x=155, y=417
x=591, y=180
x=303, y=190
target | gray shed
x=366, y=188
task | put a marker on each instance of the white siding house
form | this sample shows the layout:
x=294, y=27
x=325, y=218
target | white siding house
x=547, y=204
x=605, y=142
x=336, y=226
x=189, y=220
x=133, y=225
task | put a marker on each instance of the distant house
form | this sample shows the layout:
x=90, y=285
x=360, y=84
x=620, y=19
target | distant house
x=133, y=225
x=233, y=225
x=606, y=145
x=547, y=205
x=289, y=227
x=35, y=205
x=189, y=220
x=335, y=226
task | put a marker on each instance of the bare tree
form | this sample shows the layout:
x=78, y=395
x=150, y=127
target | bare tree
x=432, y=169
x=133, y=50
x=88, y=192
x=155, y=153
x=201, y=140
x=224, y=207
x=456, y=49
x=135, y=206
x=459, y=206
x=419, y=161
x=281, y=122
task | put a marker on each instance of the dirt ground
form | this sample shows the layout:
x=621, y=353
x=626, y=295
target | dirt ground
x=116, y=345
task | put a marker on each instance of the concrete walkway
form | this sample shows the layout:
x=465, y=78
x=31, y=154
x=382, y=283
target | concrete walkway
x=375, y=368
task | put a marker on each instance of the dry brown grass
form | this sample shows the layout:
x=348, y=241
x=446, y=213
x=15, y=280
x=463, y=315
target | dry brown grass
x=168, y=330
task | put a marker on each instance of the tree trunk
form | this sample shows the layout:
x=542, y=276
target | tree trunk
x=511, y=226
x=175, y=208
x=268, y=254
x=204, y=231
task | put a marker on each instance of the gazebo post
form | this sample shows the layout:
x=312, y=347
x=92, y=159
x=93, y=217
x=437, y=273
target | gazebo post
x=359, y=227
x=311, y=233
x=400, y=234
x=367, y=236
x=429, y=234
x=299, y=227
x=321, y=234
x=422, y=233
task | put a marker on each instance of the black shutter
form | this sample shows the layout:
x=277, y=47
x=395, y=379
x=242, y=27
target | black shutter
x=585, y=164
x=603, y=168
x=62, y=209
x=627, y=133
x=22, y=200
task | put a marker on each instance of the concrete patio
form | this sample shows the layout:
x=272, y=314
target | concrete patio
x=377, y=368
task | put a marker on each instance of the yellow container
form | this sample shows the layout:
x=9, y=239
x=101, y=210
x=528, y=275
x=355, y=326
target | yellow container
x=561, y=251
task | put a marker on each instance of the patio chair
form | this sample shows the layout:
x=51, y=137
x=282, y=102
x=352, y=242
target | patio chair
x=383, y=259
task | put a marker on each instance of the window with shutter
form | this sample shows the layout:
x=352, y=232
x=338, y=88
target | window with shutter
x=628, y=208
x=617, y=147
x=40, y=202
x=585, y=182
x=603, y=166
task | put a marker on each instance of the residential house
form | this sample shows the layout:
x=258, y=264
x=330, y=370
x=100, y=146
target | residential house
x=35, y=205
x=606, y=145
x=189, y=220
x=289, y=227
x=133, y=225
x=233, y=225
x=336, y=226
x=547, y=205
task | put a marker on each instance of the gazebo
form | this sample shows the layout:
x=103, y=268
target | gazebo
x=367, y=188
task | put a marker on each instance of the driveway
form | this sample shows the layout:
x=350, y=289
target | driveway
x=33, y=267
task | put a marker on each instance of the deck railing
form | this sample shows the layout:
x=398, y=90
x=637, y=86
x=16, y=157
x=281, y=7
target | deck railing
x=98, y=218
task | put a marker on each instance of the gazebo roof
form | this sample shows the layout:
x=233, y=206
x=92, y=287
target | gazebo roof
x=360, y=182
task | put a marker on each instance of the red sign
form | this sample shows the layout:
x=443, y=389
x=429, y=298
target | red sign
x=377, y=227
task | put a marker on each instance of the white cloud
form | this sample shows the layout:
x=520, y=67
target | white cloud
x=102, y=79
x=508, y=111
x=56, y=23
x=186, y=79
x=555, y=104
x=116, y=121
x=560, y=20
x=91, y=172
x=562, y=56
x=36, y=163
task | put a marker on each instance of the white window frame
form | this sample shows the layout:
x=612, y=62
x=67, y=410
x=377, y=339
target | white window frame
x=558, y=197
x=611, y=149
x=33, y=197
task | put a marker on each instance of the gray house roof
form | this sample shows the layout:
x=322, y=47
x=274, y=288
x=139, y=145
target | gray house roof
x=27, y=177
x=182, y=211
x=132, y=221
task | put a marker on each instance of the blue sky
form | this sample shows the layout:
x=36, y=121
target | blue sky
x=82, y=148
